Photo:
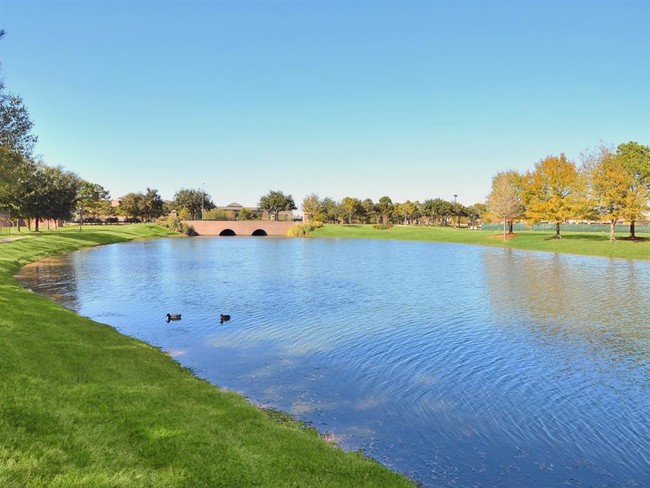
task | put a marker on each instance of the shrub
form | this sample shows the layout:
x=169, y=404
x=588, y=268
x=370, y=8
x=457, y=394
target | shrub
x=383, y=226
x=301, y=230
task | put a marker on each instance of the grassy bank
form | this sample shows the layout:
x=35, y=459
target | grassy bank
x=584, y=243
x=81, y=405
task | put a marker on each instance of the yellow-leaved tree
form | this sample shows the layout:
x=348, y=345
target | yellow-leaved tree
x=552, y=192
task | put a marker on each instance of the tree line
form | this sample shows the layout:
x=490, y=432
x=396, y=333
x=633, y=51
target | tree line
x=351, y=210
x=610, y=185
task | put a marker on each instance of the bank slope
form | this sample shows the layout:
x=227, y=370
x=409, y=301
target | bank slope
x=82, y=405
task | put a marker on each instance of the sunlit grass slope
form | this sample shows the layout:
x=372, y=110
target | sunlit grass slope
x=81, y=405
x=585, y=243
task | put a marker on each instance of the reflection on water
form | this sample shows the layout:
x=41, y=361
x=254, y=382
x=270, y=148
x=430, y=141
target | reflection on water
x=457, y=365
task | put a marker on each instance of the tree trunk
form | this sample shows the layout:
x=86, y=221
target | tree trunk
x=612, y=223
x=511, y=225
x=632, y=230
x=557, y=231
x=36, y=219
x=504, y=230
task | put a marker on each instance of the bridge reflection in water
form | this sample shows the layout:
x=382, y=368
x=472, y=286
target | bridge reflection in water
x=240, y=228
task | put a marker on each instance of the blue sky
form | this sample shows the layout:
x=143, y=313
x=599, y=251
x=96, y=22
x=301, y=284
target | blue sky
x=410, y=99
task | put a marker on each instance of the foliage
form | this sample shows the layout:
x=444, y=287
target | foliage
x=15, y=124
x=177, y=225
x=385, y=208
x=152, y=204
x=275, y=202
x=50, y=193
x=438, y=210
x=218, y=214
x=505, y=201
x=132, y=206
x=93, y=200
x=310, y=205
x=352, y=208
x=301, y=230
x=610, y=183
x=192, y=201
x=551, y=192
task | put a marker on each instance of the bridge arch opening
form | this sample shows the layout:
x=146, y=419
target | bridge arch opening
x=227, y=232
x=259, y=232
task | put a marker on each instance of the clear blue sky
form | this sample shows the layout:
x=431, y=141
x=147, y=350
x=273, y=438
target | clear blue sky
x=410, y=99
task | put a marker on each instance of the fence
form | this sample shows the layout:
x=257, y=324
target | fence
x=5, y=223
x=569, y=227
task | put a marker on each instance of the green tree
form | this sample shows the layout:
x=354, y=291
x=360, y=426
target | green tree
x=51, y=193
x=385, y=207
x=635, y=158
x=152, y=204
x=351, y=207
x=15, y=174
x=192, y=201
x=15, y=124
x=92, y=199
x=275, y=202
x=438, y=210
x=552, y=191
x=132, y=206
x=370, y=211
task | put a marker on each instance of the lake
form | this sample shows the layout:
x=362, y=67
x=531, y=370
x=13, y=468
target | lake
x=456, y=365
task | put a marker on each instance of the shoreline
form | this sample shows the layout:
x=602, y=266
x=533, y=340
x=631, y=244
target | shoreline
x=98, y=390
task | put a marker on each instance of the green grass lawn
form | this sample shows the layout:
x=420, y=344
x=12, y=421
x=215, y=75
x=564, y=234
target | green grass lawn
x=584, y=243
x=82, y=405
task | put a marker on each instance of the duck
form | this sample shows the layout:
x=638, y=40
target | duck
x=225, y=318
x=173, y=316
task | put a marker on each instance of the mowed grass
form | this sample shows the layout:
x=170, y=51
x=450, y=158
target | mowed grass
x=583, y=243
x=82, y=405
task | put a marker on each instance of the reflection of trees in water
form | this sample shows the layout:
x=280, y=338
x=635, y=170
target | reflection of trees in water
x=54, y=278
x=584, y=305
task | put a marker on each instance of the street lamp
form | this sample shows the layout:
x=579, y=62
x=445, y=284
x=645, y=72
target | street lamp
x=202, y=199
x=456, y=211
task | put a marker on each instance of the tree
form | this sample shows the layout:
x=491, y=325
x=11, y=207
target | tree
x=310, y=206
x=475, y=213
x=15, y=173
x=132, y=205
x=152, y=204
x=192, y=201
x=275, y=202
x=636, y=159
x=15, y=124
x=408, y=211
x=610, y=184
x=51, y=193
x=385, y=207
x=370, y=211
x=551, y=192
x=92, y=199
x=352, y=208
x=438, y=209
x=504, y=201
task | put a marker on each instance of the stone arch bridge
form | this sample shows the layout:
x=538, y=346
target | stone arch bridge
x=240, y=227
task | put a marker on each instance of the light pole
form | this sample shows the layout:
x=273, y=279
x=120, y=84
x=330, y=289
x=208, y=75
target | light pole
x=456, y=211
x=202, y=199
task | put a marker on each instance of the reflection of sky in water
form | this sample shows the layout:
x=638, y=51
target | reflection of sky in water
x=457, y=365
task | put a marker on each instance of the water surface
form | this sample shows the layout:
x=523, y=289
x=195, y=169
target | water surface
x=456, y=365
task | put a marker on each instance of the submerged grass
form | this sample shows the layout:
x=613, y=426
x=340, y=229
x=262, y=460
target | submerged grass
x=583, y=243
x=82, y=405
